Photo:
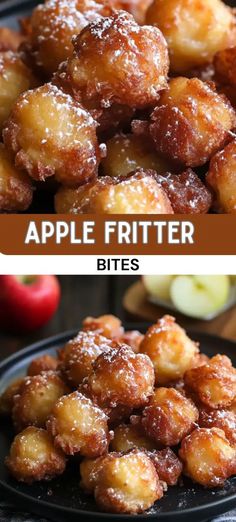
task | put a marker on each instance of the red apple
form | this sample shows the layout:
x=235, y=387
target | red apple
x=27, y=302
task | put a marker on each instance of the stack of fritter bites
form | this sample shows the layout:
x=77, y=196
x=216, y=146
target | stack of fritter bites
x=139, y=410
x=93, y=109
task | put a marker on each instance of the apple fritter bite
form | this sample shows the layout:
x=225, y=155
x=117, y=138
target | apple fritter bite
x=34, y=457
x=36, y=398
x=208, y=457
x=186, y=192
x=169, y=416
x=122, y=377
x=128, y=152
x=133, y=338
x=16, y=189
x=51, y=134
x=80, y=353
x=15, y=78
x=223, y=419
x=167, y=464
x=44, y=363
x=221, y=179
x=225, y=66
x=191, y=121
x=117, y=61
x=89, y=469
x=171, y=351
x=139, y=193
x=130, y=436
x=79, y=426
x=10, y=39
x=107, y=325
x=213, y=384
x=127, y=483
x=7, y=397
x=53, y=25
x=194, y=29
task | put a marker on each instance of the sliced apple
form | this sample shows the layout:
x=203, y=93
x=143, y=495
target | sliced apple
x=158, y=285
x=199, y=295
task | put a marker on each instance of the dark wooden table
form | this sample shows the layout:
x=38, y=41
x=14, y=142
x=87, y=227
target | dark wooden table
x=81, y=296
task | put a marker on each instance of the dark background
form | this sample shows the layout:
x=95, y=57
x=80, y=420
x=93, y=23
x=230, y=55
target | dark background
x=81, y=296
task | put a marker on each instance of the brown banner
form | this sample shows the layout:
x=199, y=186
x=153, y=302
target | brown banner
x=127, y=235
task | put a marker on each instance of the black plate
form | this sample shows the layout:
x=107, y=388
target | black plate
x=62, y=499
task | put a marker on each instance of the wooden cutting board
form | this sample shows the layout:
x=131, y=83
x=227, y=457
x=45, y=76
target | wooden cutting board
x=138, y=307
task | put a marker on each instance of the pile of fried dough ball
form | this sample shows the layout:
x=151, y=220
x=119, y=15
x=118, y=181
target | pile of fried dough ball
x=120, y=106
x=138, y=410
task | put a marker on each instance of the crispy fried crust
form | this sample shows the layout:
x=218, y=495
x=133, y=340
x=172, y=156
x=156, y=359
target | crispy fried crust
x=167, y=464
x=54, y=24
x=171, y=351
x=16, y=190
x=36, y=398
x=213, y=384
x=117, y=61
x=122, y=377
x=7, y=397
x=127, y=483
x=221, y=179
x=194, y=29
x=169, y=416
x=128, y=152
x=33, y=456
x=222, y=419
x=208, y=457
x=79, y=426
x=186, y=192
x=80, y=353
x=225, y=66
x=107, y=325
x=41, y=364
x=137, y=194
x=191, y=121
x=51, y=134
x=130, y=436
x=15, y=78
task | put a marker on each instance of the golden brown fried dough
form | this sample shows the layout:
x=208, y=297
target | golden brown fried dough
x=127, y=483
x=186, y=192
x=78, y=426
x=191, y=121
x=89, y=469
x=16, y=190
x=194, y=29
x=208, y=457
x=53, y=25
x=128, y=152
x=10, y=39
x=44, y=363
x=15, y=78
x=171, y=351
x=133, y=338
x=214, y=384
x=107, y=325
x=122, y=377
x=80, y=353
x=169, y=416
x=51, y=134
x=223, y=419
x=37, y=396
x=117, y=61
x=136, y=194
x=168, y=466
x=7, y=397
x=130, y=436
x=221, y=179
x=33, y=456
x=225, y=66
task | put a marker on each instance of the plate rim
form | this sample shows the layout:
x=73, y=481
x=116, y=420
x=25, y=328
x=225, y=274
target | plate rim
x=49, y=342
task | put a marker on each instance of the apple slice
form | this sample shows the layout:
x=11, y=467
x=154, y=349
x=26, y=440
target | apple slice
x=158, y=285
x=199, y=295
